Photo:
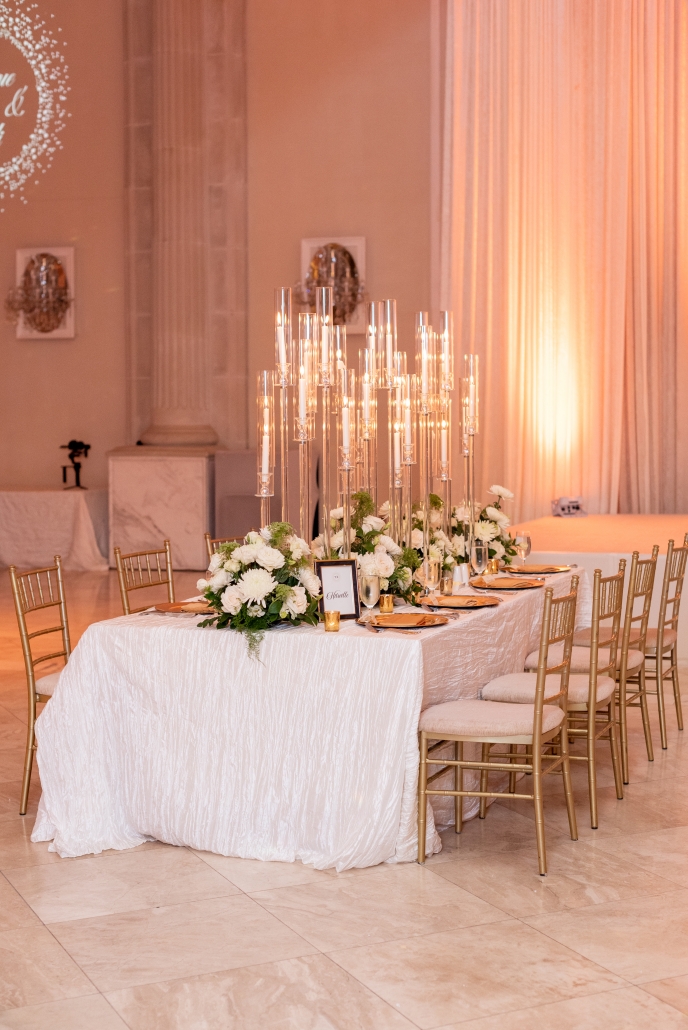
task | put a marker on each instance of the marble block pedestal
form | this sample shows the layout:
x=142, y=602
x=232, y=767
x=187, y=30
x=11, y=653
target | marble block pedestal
x=159, y=493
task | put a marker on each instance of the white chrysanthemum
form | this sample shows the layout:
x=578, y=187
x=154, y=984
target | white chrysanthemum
x=384, y=564
x=255, y=584
x=202, y=584
x=498, y=516
x=318, y=548
x=297, y=602
x=501, y=491
x=232, y=600
x=486, y=531
x=372, y=523
x=216, y=562
x=298, y=547
x=498, y=549
x=247, y=553
x=270, y=558
x=435, y=553
x=336, y=513
x=388, y=544
x=266, y=534
x=457, y=545
x=462, y=514
x=417, y=538
x=218, y=580
x=309, y=580
x=383, y=510
x=367, y=563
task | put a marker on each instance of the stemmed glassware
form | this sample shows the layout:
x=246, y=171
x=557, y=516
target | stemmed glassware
x=522, y=542
x=479, y=558
x=369, y=589
x=433, y=575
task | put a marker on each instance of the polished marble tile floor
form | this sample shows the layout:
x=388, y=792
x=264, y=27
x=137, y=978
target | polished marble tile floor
x=165, y=938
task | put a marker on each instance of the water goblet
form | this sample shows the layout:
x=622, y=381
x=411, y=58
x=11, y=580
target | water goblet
x=479, y=558
x=369, y=588
x=522, y=542
x=433, y=571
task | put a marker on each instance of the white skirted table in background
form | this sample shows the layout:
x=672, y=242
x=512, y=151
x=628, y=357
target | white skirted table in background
x=35, y=525
x=159, y=729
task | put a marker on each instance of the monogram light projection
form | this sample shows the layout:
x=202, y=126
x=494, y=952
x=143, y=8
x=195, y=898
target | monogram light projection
x=33, y=91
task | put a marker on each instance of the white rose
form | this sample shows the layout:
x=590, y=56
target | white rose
x=498, y=549
x=253, y=538
x=384, y=564
x=216, y=562
x=218, y=580
x=270, y=558
x=486, y=531
x=372, y=523
x=435, y=518
x=232, y=600
x=388, y=544
x=417, y=538
x=498, y=516
x=232, y=565
x=310, y=581
x=202, y=584
x=297, y=602
x=247, y=553
x=501, y=491
x=255, y=584
x=298, y=547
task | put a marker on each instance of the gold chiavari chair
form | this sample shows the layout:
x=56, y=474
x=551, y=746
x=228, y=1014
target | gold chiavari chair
x=541, y=726
x=214, y=544
x=143, y=569
x=661, y=643
x=33, y=592
x=591, y=694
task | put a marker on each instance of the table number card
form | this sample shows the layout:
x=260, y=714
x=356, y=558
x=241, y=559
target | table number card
x=339, y=581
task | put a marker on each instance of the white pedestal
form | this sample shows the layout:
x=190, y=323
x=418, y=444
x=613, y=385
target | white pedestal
x=159, y=493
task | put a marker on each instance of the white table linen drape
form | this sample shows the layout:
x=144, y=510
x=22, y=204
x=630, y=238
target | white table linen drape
x=35, y=525
x=162, y=730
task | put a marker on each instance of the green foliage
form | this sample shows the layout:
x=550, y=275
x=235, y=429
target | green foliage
x=363, y=505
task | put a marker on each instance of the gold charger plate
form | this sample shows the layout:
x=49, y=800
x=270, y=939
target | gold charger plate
x=199, y=607
x=460, y=601
x=538, y=570
x=408, y=620
x=504, y=583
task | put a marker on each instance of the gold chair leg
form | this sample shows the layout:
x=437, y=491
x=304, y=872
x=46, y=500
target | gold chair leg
x=512, y=775
x=677, y=688
x=483, y=781
x=614, y=746
x=646, y=715
x=568, y=786
x=539, y=818
x=623, y=731
x=28, y=764
x=592, y=769
x=659, y=681
x=422, y=797
x=458, y=826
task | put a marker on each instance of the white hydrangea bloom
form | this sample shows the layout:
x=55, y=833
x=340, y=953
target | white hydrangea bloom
x=232, y=600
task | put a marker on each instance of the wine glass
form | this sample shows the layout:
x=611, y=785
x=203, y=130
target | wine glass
x=433, y=572
x=479, y=558
x=369, y=587
x=522, y=542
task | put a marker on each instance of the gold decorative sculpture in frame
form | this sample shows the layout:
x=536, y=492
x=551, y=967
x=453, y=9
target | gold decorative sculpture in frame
x=42, y=298
x=333, y=265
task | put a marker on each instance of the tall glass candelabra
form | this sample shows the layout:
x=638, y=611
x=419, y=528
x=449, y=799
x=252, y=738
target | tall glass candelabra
x=397, y=413
x=469, y=430
x=387, y=344
x=445, y=380
x=367, y=421
x=347, y=448
x=372, y=347
x=408, y=404
x=426, y=376
x=326, y=381
x=283, y=379
x=305, y=405
x=266, y=443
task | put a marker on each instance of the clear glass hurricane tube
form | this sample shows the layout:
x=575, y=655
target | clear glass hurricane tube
x=265, y=440
x=368, y=421
x=408, y=449
x=396, y=510
x=470, y=410
x=443, y=439
x=283, y=372
x=305, y=403
x=325, y=324
x=347, y=448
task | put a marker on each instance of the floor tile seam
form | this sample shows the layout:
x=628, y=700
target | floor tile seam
x=72, y=959
x=665, y=1001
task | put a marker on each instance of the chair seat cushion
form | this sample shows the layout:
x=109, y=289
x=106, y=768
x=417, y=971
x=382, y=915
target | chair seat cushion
x=519, y=688
x=580, y=658
x=487, y=718
x=582, y=637
x=47, y=684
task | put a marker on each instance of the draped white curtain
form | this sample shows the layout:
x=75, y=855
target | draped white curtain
x=555, y=111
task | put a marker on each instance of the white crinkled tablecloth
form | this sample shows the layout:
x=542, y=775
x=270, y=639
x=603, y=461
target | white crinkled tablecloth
x=35, y=525
x=159, y=729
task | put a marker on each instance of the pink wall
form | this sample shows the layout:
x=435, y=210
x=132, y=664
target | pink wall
x=51, y=391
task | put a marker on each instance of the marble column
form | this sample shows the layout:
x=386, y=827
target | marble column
x=181, y=393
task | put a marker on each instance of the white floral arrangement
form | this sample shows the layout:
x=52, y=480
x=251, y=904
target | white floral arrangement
x=264, y=581
x=375, y=551
x=490, y=526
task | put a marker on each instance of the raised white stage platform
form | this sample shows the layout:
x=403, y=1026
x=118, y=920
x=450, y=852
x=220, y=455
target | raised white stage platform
x=599, y=541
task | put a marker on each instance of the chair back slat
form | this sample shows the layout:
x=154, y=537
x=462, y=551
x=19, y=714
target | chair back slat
x=558, y=625
x=640, y=585
x=135, y=572
x=213, y=544
x=607, y=606
x=32, y=592
x=672, y=588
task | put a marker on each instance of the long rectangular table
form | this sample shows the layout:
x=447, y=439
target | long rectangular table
x=159, y=729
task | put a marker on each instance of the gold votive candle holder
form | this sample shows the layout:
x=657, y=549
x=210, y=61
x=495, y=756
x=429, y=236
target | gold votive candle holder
x=386, y=603
x=331, y=622
x=493, y=567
